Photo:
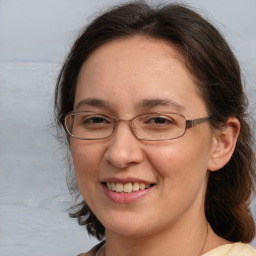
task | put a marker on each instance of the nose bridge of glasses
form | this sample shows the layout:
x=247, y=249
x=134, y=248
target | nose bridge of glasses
x=128, y=121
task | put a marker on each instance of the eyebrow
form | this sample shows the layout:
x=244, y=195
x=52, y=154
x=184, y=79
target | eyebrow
x=95, y=102
x=146, y=103
x=150, y=103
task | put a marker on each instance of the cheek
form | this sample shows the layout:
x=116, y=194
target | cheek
x=86, y=159
x=181, y=172
x=181, y=159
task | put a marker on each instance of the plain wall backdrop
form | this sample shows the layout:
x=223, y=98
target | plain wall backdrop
x=35, y=36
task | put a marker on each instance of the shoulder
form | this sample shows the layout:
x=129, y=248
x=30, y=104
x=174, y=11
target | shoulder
x=93, y=251
x=236, y=249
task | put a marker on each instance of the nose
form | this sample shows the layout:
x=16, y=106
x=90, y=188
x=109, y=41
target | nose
x=124, y=148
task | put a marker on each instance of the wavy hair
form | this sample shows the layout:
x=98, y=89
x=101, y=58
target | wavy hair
x=217, y=74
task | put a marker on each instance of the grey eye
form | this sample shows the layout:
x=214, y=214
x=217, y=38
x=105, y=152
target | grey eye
x=159, y=120
x=95, y=120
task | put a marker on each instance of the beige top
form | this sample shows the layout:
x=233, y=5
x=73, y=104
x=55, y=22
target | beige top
x=236, y=249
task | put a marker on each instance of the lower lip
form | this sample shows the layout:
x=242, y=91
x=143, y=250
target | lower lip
x=125, y=198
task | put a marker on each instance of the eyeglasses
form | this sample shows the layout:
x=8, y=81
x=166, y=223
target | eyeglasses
x=86, y=125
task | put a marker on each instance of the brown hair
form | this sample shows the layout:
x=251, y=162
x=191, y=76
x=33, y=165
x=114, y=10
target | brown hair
x=217, y=74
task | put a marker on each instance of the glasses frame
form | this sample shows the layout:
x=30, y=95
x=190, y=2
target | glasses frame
x=189, y=124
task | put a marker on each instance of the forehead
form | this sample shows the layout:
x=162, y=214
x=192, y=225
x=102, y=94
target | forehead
x=135, y=69
x=128, y=50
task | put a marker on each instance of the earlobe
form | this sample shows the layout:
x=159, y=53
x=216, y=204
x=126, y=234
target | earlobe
x=224, y=143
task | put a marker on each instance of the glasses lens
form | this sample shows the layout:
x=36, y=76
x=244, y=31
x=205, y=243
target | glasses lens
x=159, y=126
x=87, y=125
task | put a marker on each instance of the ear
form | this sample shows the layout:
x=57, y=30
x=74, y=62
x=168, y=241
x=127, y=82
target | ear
x=224, y=143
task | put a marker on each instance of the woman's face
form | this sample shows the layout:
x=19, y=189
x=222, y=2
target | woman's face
x=125, y=78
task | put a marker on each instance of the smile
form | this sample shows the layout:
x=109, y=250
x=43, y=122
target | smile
x=126, y=192
x=127, y=187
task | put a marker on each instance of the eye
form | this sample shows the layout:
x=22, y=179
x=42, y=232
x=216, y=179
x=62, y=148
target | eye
x=95, y=119
x=160, y=120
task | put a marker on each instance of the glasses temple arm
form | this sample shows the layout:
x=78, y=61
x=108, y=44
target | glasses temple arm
x=192, y=123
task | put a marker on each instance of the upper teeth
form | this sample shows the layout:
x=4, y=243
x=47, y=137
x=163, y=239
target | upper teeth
x=127, y=187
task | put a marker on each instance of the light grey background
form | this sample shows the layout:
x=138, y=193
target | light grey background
x=35, y=35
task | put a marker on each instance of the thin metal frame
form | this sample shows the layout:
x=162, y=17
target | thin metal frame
x=189, y=124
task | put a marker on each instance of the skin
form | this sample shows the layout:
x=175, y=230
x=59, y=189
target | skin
x=169, y=220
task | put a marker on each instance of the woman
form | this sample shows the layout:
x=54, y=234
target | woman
x=155, y=114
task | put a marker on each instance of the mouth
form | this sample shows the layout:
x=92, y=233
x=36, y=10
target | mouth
x=127, y=187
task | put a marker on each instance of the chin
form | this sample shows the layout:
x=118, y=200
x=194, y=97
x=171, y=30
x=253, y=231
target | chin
x=127, y=227
x=127, y=232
